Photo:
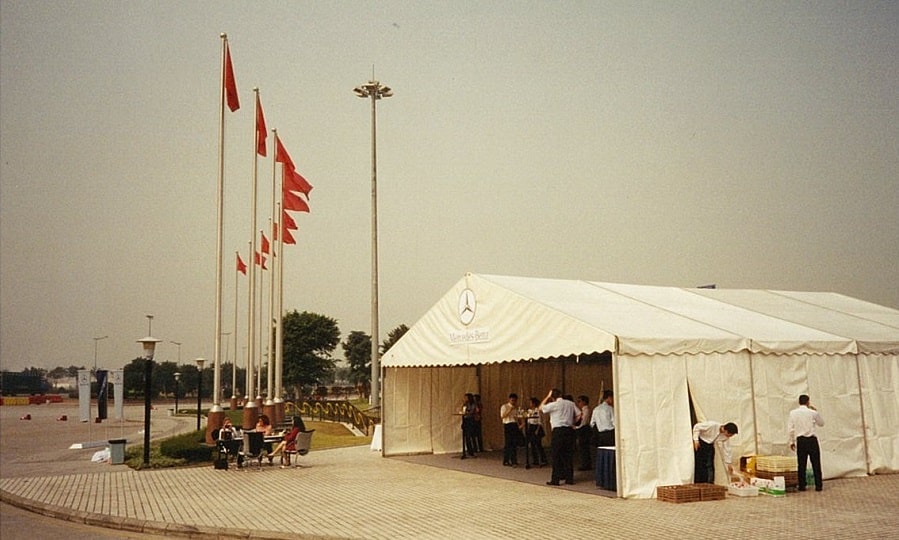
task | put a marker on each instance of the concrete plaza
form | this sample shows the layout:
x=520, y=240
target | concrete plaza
x=355, y=493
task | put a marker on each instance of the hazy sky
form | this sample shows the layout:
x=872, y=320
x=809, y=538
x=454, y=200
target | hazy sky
x=752, y=145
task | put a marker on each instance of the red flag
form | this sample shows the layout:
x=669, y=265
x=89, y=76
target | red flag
x=294, y=181
x=260, y=261
x=241, y=266
x=274, y=232
x=281, y=155
x=289, y=223
x=261, y=132
x=294, y=202
x=230, y=84
x=288, y=238
x=265, y=244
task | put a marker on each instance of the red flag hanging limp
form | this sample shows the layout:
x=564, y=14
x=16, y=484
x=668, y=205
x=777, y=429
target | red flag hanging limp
x=260, y=260
x=288, y=238
x=281, y=155
x=230, y=84
x=241, y=266
x=265, y=244
x=289, y=223
x=261, y=132
x=294, y=202
x=294, y=181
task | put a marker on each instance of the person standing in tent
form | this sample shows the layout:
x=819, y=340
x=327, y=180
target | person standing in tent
x=707, y=435
x=534, y=432
x=583, y=434
x=478, y=424
x=801, y=427
x=562, y=415
x=603, y=420
x=508, y=413
x=468, y=427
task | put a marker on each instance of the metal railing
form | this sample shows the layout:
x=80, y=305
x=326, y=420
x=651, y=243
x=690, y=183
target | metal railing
x=335, y=411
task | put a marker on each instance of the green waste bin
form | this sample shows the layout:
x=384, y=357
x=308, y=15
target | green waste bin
x=117, y=451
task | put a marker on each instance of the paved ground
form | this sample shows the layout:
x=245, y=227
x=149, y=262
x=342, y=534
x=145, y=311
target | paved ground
x=355, y=493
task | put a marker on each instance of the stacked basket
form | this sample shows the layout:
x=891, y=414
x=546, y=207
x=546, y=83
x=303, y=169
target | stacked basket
x=770, y=466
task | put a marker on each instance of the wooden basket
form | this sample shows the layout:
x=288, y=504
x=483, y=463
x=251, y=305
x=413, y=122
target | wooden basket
x=679, y=494
x=711, y=492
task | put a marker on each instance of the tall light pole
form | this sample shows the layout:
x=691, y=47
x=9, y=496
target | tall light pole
x=96, y=340
x=177, y=378
x=375, y=91
x=149, y=324
x=200, y=362
x=149, y=345
x=178, y=343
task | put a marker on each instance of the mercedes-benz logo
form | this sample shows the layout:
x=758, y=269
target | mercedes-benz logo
x=467, y=306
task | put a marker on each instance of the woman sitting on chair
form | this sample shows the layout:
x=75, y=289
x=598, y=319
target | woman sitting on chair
x=289, y=443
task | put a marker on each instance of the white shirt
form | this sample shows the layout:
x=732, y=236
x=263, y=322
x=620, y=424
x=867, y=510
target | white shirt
x=511, y=411
x=562, y=413
x=710, y=432
x=603, y=418
x=802, y=423
x=585, y=414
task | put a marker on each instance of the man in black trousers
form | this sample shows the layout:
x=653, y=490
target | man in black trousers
x=801, y=425
x=562, y=415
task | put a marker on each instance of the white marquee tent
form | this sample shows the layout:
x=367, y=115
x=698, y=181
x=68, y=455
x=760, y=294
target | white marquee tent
x=732, y=355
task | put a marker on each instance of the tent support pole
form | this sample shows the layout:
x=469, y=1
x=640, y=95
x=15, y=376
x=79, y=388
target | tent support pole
x=861, y=407
x=755, y=415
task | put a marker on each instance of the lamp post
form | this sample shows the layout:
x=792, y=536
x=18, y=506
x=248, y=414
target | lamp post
x=149, y=324
x=149, y=345
x=375, y=91
x=178, y=343
x=200, y=362
x=177, y=378
x=96, y=340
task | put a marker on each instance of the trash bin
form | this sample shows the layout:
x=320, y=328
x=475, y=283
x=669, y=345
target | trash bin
x=117, y=451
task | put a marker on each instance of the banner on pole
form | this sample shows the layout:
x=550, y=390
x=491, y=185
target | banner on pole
x=84, y=394
x=118, y=388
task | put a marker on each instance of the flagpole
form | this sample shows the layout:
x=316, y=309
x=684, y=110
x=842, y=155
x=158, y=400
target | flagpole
x=216, y=412
x=279, y=346
x=269, y=402
x=261, y=306
x=251, y=408
x=234, y=333
x=248, y=380
x=275, y=318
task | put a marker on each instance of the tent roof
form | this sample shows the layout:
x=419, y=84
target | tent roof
x=519, y=318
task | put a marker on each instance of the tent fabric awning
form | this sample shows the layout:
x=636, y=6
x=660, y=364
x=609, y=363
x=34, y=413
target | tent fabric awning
x=519, y=318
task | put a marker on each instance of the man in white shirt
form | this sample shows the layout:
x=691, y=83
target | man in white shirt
x=562, y=416
x=603, y=420
x=801, y=427
x=707, y=435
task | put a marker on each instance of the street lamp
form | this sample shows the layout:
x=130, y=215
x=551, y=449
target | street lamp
x=374, y=90
x=177, y=378
x=149, y=345
x=200, y=362
x=96, y=340
x=149, y=324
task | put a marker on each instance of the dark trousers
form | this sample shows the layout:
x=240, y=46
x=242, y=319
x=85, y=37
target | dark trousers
x=562, y=448
x=535, y=445
x=704, y=464
x=584, y=448
x=807, y=449
x=468, y=436
x=510, y=449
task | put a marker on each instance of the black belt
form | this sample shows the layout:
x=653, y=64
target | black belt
x=562, y=427
x=804, y=437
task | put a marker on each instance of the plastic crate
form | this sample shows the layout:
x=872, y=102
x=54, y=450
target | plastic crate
x=743, y=491
x=711, y=492
x=791, y=478
x=776, y=463
x=679, y=494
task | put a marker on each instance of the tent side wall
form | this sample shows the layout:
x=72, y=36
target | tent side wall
x=420, y=407
x=832, y=383
x=879, y=375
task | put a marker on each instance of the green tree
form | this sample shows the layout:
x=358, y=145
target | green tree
x=357, y=351
x=393, y=336
x=309, y=341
